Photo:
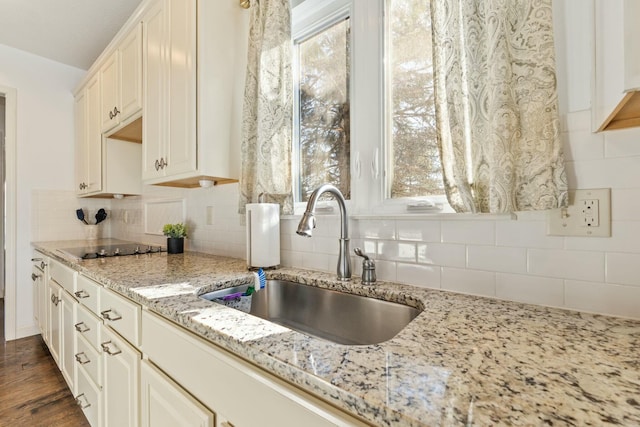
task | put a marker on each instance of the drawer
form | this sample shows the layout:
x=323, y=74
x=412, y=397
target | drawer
x=121, y=315
x=63, y=275
x=88, y=293
x=89, y=359
x=88, y=326
x=89, y=399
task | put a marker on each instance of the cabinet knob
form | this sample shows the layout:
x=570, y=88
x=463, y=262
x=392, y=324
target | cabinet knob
x=55, y=300
x=157, y=164
x=43, y=265
x=163, y=163
x=34, y=276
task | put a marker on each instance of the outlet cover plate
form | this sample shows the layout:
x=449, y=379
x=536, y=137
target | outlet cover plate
x=570, y=221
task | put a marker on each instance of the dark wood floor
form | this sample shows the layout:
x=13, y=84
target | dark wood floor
x=32, y=389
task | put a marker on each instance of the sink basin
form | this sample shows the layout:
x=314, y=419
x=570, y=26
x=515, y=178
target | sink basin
x=335, y=316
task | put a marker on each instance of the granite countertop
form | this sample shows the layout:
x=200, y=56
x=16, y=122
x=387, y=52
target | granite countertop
x=464, y=360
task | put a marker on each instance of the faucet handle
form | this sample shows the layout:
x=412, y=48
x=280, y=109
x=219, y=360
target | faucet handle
x=368, y=268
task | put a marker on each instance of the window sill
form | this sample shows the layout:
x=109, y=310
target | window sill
x=422, y=216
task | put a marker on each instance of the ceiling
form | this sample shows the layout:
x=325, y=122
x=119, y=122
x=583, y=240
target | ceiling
x=73, y=32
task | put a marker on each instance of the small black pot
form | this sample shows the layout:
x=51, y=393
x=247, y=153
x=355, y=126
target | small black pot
x=175, y=245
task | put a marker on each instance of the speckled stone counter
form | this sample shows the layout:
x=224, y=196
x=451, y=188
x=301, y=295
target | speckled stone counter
x=464, y=360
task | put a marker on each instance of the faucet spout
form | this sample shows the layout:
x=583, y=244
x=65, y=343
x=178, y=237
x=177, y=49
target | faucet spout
x=308, y=223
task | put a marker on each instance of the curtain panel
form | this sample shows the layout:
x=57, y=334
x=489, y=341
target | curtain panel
x=267, y=110
x=497, y=105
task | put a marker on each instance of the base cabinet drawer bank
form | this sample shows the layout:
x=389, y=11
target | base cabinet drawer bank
x=131, y=367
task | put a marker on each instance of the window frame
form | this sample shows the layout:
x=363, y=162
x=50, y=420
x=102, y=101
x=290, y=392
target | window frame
x=370, y=157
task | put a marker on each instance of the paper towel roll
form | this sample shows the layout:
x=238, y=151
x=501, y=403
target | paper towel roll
x=263, y=234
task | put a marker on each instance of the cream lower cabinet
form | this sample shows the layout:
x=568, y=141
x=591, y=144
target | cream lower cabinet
x=68, y=346
x=54, y=314
x=238, y=393
x=121, y=365
x=166, y=404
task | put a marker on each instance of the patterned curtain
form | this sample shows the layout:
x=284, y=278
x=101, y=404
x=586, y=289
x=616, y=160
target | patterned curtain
x=497, y=106
x=268, y=104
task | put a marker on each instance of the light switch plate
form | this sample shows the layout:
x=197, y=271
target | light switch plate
x=588, y=215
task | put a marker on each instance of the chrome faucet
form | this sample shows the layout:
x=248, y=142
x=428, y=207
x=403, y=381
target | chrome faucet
x=308, y=223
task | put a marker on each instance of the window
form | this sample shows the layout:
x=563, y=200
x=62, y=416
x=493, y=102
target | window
x=322, y=98
x=364, y=103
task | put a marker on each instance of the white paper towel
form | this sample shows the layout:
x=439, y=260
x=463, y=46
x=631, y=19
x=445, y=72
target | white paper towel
x=263, y=234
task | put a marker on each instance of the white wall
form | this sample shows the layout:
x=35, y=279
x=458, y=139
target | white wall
x=44, y=148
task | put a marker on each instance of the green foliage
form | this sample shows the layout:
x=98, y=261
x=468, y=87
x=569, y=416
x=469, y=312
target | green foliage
x=175, y=230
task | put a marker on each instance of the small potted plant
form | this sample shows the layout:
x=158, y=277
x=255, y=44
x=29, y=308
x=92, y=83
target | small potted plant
x=176, y=234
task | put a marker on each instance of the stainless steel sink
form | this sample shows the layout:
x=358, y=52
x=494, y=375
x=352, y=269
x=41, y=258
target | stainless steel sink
x=335, y=316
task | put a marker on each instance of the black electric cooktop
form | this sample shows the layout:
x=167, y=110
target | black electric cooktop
x=100, y=251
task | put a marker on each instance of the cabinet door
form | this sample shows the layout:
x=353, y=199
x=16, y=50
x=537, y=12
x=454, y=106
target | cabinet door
x=68, y=348
x=94, y=137
x=55, y=316
x=37, y=277
x=81, y=142
x=121, y=364
x=110, y=110
x=154, y=125
x=131, y=74
x=166, y=404
x=181, y=144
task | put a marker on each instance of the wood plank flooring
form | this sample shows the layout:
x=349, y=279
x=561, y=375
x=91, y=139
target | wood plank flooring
x=33, y=392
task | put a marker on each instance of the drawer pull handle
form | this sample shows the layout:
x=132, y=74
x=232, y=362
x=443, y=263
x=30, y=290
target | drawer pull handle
x=107, y=349
x=79, y=401
x=81, y=327
x=42, y=265
x=82, y=294
x=79, y=357
x=108, y=316
x=34, y=276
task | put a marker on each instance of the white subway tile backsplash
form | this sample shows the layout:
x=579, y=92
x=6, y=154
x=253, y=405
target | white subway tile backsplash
x=578, y=120
x=604, y=298
x=444, y=254
x=530, y=289
x=422, y=231
x=579, y=265
x=492, y=258
x=623, y=269
x=386, y=270
x=427, y=276
x=625, y=204
x=377, y=229
x=396, y=251
x=583, y=145
x=617, y=172
x=469, y=232
x=325, y=245
x=625, y=237
x=622, y=143
x=469, y=281
x=315, y=261
x=526, y=234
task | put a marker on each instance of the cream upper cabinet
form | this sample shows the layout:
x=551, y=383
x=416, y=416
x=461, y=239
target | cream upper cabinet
x=121, y=82
x=88, y=139
x=193, y=79
x=169, y=35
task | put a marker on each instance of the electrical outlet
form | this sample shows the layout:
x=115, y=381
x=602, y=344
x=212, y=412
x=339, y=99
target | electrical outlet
x=588, y=215
x=591, y=216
